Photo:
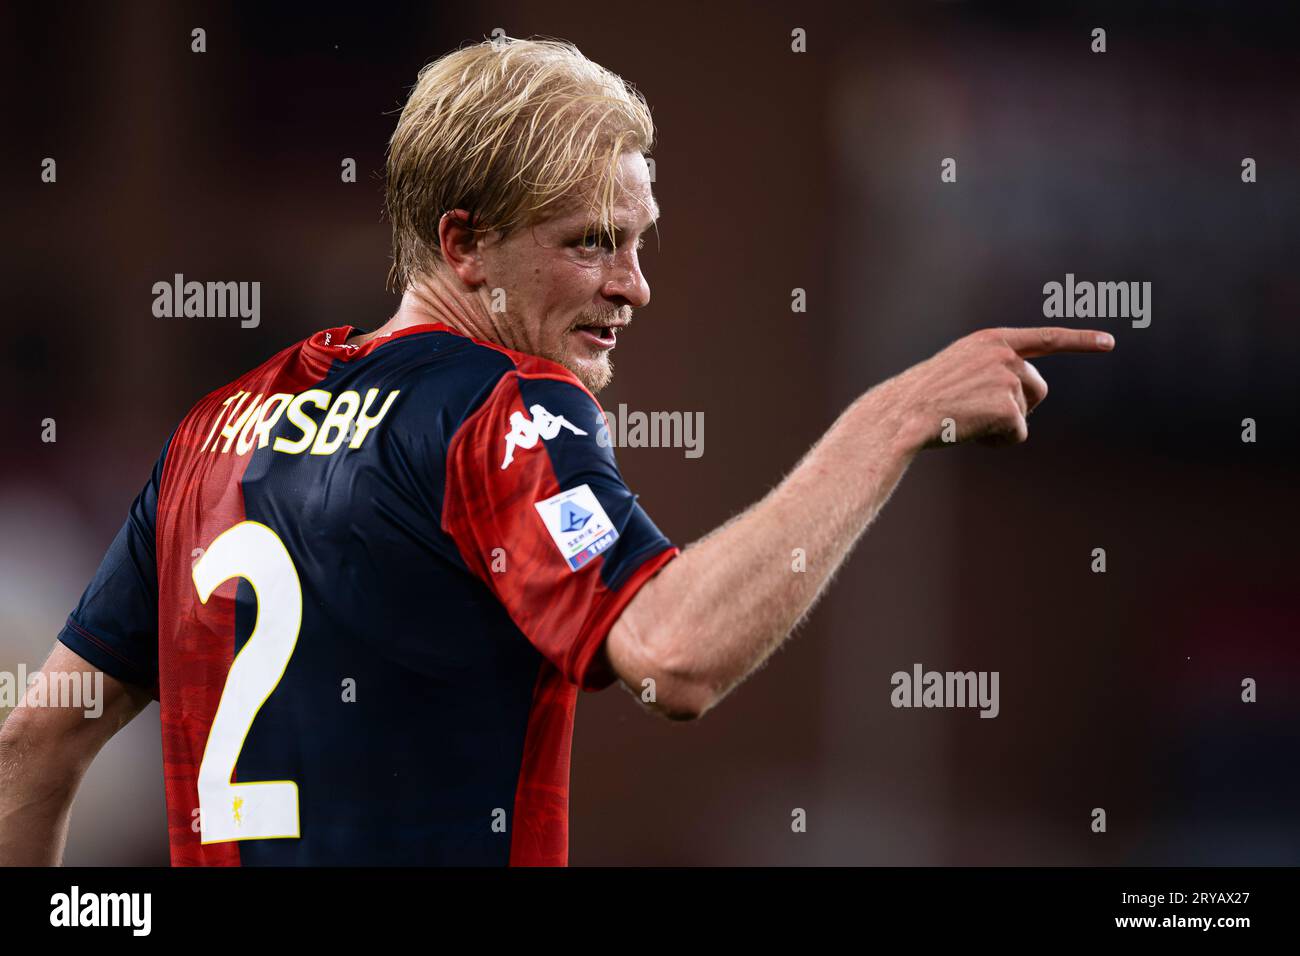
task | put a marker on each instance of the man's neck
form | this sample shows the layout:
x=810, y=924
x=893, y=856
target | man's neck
x=423, y=303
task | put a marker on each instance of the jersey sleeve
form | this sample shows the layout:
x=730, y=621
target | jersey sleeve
x=538, y=510
x=115, y=625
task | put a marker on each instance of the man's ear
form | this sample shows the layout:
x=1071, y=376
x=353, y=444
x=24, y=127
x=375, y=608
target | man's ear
x=461, y=247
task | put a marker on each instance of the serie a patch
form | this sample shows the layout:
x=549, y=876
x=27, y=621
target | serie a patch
x=577, y=524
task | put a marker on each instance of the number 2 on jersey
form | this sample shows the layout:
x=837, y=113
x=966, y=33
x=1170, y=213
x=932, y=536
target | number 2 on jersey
x=268, y=809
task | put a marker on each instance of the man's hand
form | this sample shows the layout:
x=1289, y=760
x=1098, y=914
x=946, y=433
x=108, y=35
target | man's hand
x=713, y=615
x=984, y=384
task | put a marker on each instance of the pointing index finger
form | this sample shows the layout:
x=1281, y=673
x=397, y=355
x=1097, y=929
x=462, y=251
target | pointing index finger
x=1050, y=340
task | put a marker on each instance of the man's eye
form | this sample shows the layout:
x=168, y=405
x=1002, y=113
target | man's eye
x=593, y=241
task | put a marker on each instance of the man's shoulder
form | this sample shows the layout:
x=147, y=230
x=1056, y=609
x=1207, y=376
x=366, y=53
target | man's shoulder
x=481, y=354
x=471, y=374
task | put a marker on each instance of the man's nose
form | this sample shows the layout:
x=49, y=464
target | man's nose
x=626, y=285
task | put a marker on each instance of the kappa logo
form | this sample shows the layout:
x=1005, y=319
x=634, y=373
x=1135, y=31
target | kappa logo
x=329, y=340
x=525, y=433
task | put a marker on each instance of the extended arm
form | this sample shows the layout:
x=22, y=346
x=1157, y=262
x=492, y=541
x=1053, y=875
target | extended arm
x=717, y=612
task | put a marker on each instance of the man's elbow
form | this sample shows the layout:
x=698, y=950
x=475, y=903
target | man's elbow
x=680, y=707
x=665, y=682
x=678, y=691
x=29, y=749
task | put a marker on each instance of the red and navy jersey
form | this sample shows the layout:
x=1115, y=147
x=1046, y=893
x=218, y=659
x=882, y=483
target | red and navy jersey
x=365, y=584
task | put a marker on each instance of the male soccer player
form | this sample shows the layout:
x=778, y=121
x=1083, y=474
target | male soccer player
x=366, y=579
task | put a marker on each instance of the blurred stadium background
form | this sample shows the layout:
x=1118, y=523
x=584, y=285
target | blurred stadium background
x=774, y=171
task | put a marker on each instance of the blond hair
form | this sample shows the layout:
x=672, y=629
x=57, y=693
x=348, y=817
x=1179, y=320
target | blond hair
x=511, y=131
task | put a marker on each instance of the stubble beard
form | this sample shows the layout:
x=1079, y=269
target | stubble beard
x=598, y=371
x=595, y=373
